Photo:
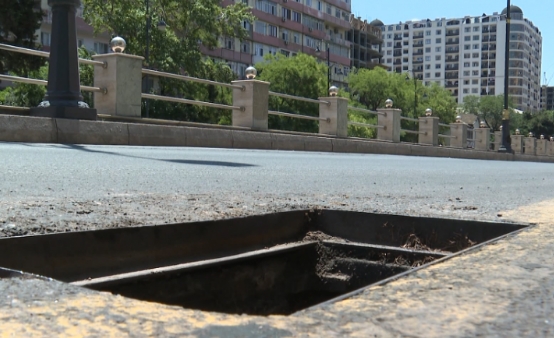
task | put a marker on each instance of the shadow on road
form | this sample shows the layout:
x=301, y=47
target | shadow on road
x=193, y=162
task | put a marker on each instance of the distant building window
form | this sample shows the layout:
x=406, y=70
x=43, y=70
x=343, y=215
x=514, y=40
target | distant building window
x=100, y=48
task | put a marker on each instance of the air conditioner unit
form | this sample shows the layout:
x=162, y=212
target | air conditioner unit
x=283, y=19
x=286, y=42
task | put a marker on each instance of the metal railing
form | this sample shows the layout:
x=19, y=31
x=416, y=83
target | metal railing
x=45, y=83
x=190, y=78
x=298, y=116
x=367, y=112
x=188, y=101
x=28, y=51
x=47, y=55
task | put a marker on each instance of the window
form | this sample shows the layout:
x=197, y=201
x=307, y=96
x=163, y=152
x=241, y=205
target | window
x=475, y=90
x=258, y=49
x=45, y=39
x=476, y=28
x=428, y=58
x=437, y=49
x=467, y=56
x=296, y=16
x=475, y=55
x=427, y=41
x=475, y=73
x=389, y=44
x=467, y=29
x=476, y=46
x=438, y=40
x=466, y=82
x=267, y=6
x=466, y=72
x=100, y=48
x=437, y=74
x=465, y=91
x=438, y=66
x=427, y=67
x=467, y=38
x=427, y=75
x=476, y=64
x=475, y=81
x=427, y=33
x=427, y=49
x=439, y=31
x=467, y=47
x=466, y=64
x=476, y=38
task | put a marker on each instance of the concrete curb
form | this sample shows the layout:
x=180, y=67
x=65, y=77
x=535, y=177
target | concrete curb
x=15, y=128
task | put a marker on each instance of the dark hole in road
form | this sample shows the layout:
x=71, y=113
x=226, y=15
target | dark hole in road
x=270, y=264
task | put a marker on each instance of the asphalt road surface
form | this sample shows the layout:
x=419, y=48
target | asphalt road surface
x=52, y=187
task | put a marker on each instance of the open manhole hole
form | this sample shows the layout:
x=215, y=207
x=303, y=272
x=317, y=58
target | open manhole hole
x=270, y=264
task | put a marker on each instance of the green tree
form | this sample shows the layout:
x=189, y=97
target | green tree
x=491, y=108
x=19, y=20
x=440, y=100
x=300, y=75
x=471, y=104
x=191, y=26
x=23, y=94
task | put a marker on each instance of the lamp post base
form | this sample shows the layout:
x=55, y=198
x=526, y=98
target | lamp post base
x=65, y=112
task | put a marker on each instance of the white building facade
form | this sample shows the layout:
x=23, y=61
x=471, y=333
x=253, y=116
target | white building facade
x=466, y=55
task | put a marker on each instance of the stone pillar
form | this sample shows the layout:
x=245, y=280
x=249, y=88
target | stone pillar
x=122, y=80
x=254, y=98
x=390, y=119
x=497, y=139
x=517, y=144
x=429, y=131
x=336, y=113
x=530, y=145
x=541, y=147
x=482, y=139
x=459, y=133
x=549, y=148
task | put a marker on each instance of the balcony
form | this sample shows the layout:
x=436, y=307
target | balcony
x=451, y=84
x=418, y=53
x=453, y=50
x=415, y=62
x=451, y=76
x=452, y=33
x=451, y=67
x=454, y=59
x=453, y=42
x=415, y=45
x=419, y=36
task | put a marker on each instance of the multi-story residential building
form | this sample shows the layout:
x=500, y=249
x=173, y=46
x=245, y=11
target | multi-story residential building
x=466, y=55
x=366, y=43
x=85, y=37
x=290, y=27
x=547, y=98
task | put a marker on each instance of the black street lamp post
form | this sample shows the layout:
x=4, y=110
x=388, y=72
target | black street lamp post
x=415, y=91
x=63, y=96
x=505, y=145
x=161, y=26
x=329, y=65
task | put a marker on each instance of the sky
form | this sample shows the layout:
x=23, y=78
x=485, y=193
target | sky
x=540, y=12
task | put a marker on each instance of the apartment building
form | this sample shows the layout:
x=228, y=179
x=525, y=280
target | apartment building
x=466, y=55
x=366, y=39
x=85, y=37
x=547, y=98
x=290, y=27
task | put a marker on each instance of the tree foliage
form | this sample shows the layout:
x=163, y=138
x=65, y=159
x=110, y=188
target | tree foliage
x=300, y=75
x=489, y=108
x=19, y=20
x=191, y=26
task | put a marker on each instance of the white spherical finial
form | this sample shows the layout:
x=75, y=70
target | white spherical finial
x=518, y=132
x=251, y=73
x=428, y=112
x=118, y=44
x=458, y=119
x=333, y=91
x=388, y=103
x=482, y=124
x=531, y=134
